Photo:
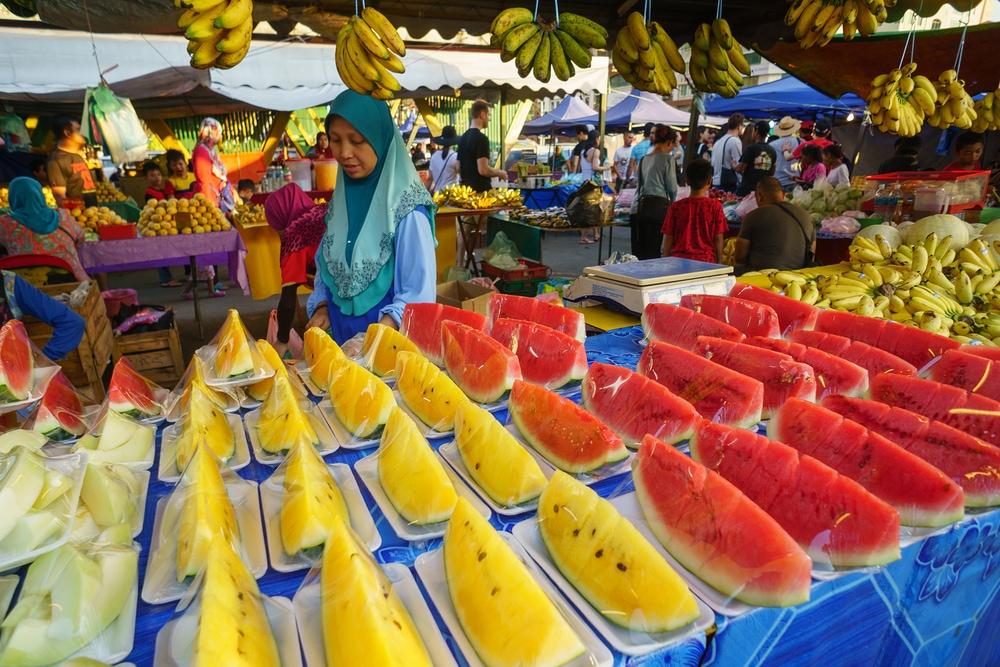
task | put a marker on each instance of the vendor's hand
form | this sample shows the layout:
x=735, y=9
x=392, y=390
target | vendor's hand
x=320, y=318
x=388, y=321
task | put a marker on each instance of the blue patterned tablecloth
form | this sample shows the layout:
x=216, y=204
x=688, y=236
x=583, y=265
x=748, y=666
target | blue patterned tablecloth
x=938, y=606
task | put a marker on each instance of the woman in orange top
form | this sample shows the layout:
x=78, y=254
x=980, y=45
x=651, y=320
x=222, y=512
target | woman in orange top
x=209, y=171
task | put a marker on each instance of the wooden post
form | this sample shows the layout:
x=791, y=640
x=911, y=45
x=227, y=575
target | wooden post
x=503, y=133
x=278, y=125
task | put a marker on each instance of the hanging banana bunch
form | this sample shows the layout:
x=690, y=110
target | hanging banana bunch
x=368, y=52
x=954, y=106
x=900, y=101
x=987, y=112
x=218, y=31
x=646, y=56
x=546, y=47
x=717, y=63
x=817, y=21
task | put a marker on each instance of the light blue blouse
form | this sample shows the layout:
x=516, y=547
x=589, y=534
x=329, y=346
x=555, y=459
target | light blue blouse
x=415, y=274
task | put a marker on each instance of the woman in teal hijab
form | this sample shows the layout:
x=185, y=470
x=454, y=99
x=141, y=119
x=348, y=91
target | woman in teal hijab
x=378, y=251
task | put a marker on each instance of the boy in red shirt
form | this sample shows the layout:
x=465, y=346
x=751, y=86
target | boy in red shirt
x=157, y=187
x=694, y=227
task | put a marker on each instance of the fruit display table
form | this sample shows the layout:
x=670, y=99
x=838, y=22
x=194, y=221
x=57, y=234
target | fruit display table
x=528, y=237
x=144, y=253
x=939, y=604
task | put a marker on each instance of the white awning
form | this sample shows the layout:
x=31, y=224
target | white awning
x=55, y=66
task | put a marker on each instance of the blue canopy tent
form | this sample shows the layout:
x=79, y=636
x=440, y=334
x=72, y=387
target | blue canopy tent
x=639, y=108
x=784, y=97
x=407, y=127
x=568, y=114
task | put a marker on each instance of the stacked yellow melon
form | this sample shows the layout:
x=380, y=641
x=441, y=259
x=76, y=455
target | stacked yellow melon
x=168, y=217
x=107, y=192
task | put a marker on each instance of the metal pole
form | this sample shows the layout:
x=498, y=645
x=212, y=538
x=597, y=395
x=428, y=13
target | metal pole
x=692, y=129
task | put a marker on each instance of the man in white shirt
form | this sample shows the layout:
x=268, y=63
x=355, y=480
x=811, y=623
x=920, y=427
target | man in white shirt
x=621, y=160
x=444, y=161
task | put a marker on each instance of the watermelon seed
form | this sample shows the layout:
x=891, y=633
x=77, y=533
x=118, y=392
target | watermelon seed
x=622, y=567
x=555, y=509
x=495, y=590
x=482, y=555
x=576, y=532
x=477, y=466
x=600, y=552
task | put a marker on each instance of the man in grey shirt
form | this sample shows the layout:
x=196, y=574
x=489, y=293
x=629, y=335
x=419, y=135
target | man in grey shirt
x=777, y=235
x=726, y=155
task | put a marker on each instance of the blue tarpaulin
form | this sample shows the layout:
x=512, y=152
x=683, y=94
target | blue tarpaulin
x=572, y=111
x=639, y=108
x=784, y=97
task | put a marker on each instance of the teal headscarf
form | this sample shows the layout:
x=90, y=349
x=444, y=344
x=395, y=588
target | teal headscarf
x=27, y=206
x=356, y=257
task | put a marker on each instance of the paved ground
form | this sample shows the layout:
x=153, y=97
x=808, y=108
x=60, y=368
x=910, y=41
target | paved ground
x=563, y=252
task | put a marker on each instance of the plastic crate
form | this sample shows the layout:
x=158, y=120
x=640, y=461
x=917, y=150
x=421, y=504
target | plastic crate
x=126, y=210
x=527, y=287
x=529, y=270
x=116, y=232
x=967, y=189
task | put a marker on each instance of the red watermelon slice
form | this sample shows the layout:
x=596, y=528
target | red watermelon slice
x=792, y=315
x=870, y=358
x=749, y=317
x=682, y=326
x=976, y=415
x=833, y=374
x=529, y=309
x=716, y=392
x=922, y=494
x=971, y=372
x=17, y=363
x=60, y=413
x=548, y=357
x=480, y=365
x=783, y=377
x=970, y=462
x=912, y=345
x=421, y=323
x=991, y=353
x=568, y=436
x=633, y=405
x=131, y=394
x=832, y=517
x=716, y=532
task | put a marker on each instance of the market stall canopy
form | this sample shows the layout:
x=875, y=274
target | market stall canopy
x=935, y=52
x=752, y=21
x=570, y=112
x=54, y=66
x=784, y=97
x=639, y=108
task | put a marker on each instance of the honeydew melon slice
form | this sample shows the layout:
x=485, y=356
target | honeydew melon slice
x=22, y=478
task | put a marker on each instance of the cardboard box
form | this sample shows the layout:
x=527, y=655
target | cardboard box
x=465, y=295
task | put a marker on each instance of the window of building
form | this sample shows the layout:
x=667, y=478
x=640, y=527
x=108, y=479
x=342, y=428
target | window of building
x=936, y=24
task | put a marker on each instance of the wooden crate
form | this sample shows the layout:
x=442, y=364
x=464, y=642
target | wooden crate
x=155, y=354
x=84, y=366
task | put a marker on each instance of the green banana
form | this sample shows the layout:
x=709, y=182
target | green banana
x=636, y=26
x=702, y=37
x=717, y=57
x=583, y=30
x=542, y=59
x=561, y=66
x=516, y=38
x=699, y=58
x=624, y=43
x=510, y=18
x=737, y=58
x=577, y=54
x=526, y=54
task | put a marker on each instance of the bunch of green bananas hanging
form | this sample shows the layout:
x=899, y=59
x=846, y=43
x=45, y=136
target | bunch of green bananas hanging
x=953, y=106
x=218, y=31
x=368, y=51
x=546, y=47
x=646, y=56
x=817, y=21
x=900, y=101
x=717, y=63
x=987, y=112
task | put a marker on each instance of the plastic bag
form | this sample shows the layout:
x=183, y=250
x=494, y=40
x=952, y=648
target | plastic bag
x=78, y=600
x=62, y=414
x=584, y=208
x=13, y=133
x=332, y=491
x=42, y=369
x=502, y=252
x=113, y=495
x=358, y=403
x=284, y=420
x=294, y=339
x=176, y=403
x=39, y=515
x=118, y=438
x=120, y=129
x=135, y=395
x=746, y=205
x=841, y=224
x=232, y=358
x=236, y=520
x=202, y=422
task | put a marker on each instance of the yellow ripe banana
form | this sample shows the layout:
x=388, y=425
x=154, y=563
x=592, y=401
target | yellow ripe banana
x=920, y=259
x=699, y=58
x=906, y=85
x=698, y=77
x=883, y=246
x=237, y=37
x=717, y=77
x=203, y=5
x=625, y=68
x=794, y=291
x=385, y=78
x=627, y=47
x=942, y=249
x=381, y=93
x=738, y=60
x=988, y=284
x=384, y=29
x=375, y=46
x=782, y=278
x=850, y=30
x=187, y=18
x=205, y=55
x=647, y=58
x=963, y=288
x=722, y=34
x=237, y=11
x=663, y=68
x=924, y=100
x=848, y=303
x=822, y=16
x=811, y=294
x=703, y=37
x=203, y=27
x=795, y=10
x=348, y=73
x=805, y=21
x=358, y=58
x=670, y=50
x=636, y=25
x=393, y=63
x=717, y=57
x=865, y=242
x=228, y=60
x=508, y=19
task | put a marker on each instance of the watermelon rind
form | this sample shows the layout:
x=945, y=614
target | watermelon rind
x=548, y=357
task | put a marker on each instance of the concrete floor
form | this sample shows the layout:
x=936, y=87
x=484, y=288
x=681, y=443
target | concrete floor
x=563, y=252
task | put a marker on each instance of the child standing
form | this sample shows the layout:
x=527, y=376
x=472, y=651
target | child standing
x=179, y=175
x=812, y=166
x=836, y=171
x=245, y=190
x=157, y=187
x=695, y=226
